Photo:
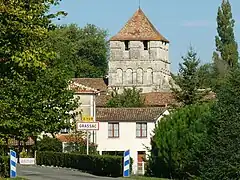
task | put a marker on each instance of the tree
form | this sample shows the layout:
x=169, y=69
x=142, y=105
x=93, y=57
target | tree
x=226, y=46
x=24, y=25
x=187, y=81
x=82, y=51
x=30, y=107
x=129, y=98
x=221, y=154
x=177, y=141
x=206, y=76
x=49, y=144
x=34, y=96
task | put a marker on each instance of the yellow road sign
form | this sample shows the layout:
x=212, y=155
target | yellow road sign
x=87, y=119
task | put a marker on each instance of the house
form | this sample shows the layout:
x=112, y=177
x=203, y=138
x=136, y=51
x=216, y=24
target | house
x=86, y=111
x=127, y=128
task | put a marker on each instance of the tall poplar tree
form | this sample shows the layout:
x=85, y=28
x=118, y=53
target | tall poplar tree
x=226, y=46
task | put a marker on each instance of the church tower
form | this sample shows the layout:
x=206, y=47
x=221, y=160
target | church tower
x=139, y=57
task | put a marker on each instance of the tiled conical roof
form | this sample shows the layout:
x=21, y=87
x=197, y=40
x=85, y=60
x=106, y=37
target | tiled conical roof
x=139, y=28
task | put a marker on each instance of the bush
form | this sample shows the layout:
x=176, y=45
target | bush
x=177, y=143
x=94, y=164
x=4, y=166
x=49, y=144
x=80, y=148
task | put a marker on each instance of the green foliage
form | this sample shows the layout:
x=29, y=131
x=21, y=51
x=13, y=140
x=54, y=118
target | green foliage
x=187, y=81
x=24, y=25
x=33, y=95
x=129, y=98
x=206, y=76
x=227, y=48
x=94, y=164
x=4, y=166
x=49, y=144
x=221, y=152
x=177, y=142
x=31, y=106
x=80, y=148
x=80, y=51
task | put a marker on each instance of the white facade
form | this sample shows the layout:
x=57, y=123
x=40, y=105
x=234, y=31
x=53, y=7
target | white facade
x=127, y=139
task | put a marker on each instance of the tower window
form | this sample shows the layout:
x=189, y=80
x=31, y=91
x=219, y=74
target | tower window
x=126, y=45
x=145, y=44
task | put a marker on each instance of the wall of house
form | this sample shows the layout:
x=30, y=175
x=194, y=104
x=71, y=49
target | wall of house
x=127, y=139
x=148, y=70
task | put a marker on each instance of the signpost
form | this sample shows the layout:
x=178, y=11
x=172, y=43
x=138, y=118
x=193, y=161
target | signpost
x=87, y=119
x=126, y=164
x=13, y=164
x=87, y=126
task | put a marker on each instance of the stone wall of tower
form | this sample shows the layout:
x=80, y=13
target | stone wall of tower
x=148, y=70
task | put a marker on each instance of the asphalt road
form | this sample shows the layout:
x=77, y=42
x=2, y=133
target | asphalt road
x=51, y=173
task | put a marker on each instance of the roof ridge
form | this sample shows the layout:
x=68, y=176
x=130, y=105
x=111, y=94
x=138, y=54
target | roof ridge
x=138, y=27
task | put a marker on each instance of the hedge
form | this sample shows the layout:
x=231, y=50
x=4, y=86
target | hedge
x=94, y=164
x=4, y=166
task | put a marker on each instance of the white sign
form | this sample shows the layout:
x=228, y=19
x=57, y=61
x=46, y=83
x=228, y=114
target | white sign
x=27, y=161
x=88, y=126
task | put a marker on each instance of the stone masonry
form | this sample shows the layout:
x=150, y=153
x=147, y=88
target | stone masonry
x=139, y=57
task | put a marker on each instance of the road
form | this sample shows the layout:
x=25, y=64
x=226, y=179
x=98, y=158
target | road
x=51, y=173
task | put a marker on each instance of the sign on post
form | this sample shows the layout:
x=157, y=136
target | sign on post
x=27, y=161
x=126, y=164
x=87, y=119
x=81, y=126
x=87, y=126
x=13, y=164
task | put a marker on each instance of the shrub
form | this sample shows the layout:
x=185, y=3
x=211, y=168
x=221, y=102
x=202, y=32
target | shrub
x=49, y=144
x=177, y=142
x=4, y=166
x=80, y=148
x=94, y=164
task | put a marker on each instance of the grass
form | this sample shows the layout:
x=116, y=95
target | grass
x=143, y=178
x=17, y=178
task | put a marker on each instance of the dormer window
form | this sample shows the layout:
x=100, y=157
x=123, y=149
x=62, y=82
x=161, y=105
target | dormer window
x=145, y=45
x=126, y=45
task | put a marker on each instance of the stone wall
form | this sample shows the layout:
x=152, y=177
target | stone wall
x=146, y=69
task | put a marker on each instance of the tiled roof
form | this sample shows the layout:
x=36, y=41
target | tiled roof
x=129, y=114
x=152, y=99
x=102, y=100
x=95, y=83
x=14, y=142
x=79, y=88
x=159, y=98
x=69, y=138
x=139, y=28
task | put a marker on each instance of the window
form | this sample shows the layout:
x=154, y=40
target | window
x=126, y=45
x=129, y=76
x=64, y=131
x=113, y=130
x=145, y=45
x=150, y=75
x=141, y=130
x=139, y=76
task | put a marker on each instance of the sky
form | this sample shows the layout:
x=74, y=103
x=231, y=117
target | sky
x=184, y=23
